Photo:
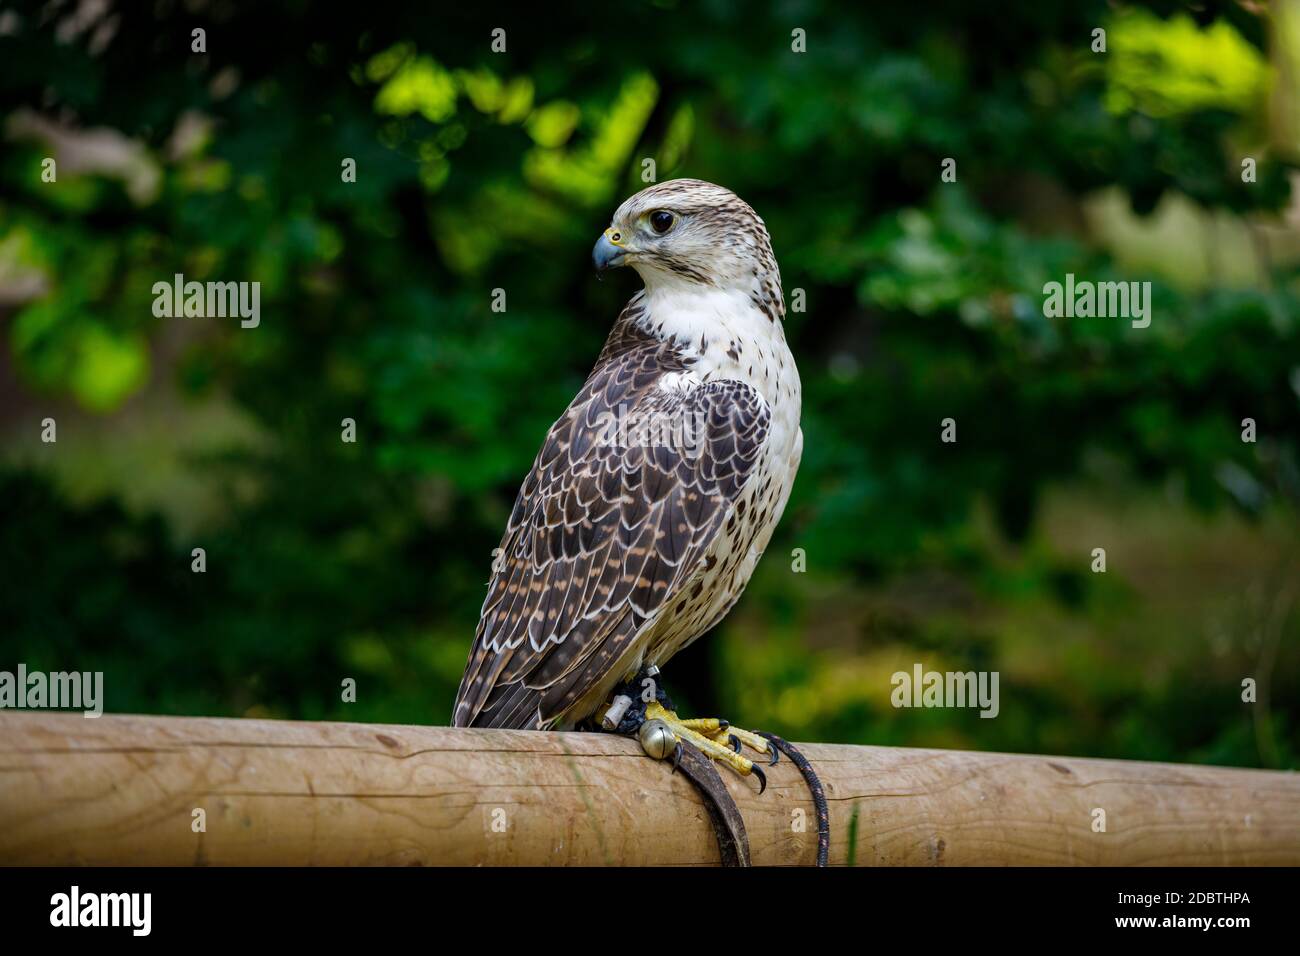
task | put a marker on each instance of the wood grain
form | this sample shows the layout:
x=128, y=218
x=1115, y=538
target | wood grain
x=122, y=790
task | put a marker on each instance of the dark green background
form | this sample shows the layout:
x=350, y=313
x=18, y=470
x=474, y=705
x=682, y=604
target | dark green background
x=479, y=171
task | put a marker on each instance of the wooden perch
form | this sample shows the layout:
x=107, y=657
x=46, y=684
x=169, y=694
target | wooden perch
x=124, y=790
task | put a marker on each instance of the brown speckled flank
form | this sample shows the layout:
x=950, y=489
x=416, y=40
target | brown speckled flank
x=619, y=556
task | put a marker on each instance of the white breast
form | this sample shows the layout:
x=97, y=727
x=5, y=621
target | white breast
x=729, y=338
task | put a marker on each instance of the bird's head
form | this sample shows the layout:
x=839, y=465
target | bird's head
x=686, y=231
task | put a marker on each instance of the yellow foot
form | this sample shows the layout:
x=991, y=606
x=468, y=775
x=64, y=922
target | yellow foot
x=715, y=738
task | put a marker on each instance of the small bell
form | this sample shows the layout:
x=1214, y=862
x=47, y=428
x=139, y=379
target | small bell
x=657, y=739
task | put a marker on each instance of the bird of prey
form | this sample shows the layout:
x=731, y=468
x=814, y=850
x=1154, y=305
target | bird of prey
x=656, y=492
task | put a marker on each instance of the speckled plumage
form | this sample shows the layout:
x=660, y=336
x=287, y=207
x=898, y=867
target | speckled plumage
x=619, y=554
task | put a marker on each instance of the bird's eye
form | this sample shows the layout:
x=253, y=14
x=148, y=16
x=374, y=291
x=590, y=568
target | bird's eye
x=661, y=221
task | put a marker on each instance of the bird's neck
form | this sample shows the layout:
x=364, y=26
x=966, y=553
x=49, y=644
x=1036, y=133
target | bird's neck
x=724, y=332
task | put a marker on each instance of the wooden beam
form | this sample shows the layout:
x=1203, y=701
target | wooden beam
x=123, y=790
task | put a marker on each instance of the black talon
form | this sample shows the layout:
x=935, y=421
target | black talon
x=776, y=755
x=734, y=741
x=762, y=779
x=725, y=816
x=723, y=724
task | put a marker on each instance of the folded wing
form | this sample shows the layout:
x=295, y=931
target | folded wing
x=616, y=517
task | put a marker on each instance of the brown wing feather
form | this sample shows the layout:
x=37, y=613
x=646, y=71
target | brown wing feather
x=603, y=535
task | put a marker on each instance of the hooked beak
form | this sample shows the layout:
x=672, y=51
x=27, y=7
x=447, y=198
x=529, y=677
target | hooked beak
x=609, y=252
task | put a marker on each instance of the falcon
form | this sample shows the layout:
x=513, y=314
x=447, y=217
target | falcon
x=656, y=492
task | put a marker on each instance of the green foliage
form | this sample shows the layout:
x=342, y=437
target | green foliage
x=478, y=171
